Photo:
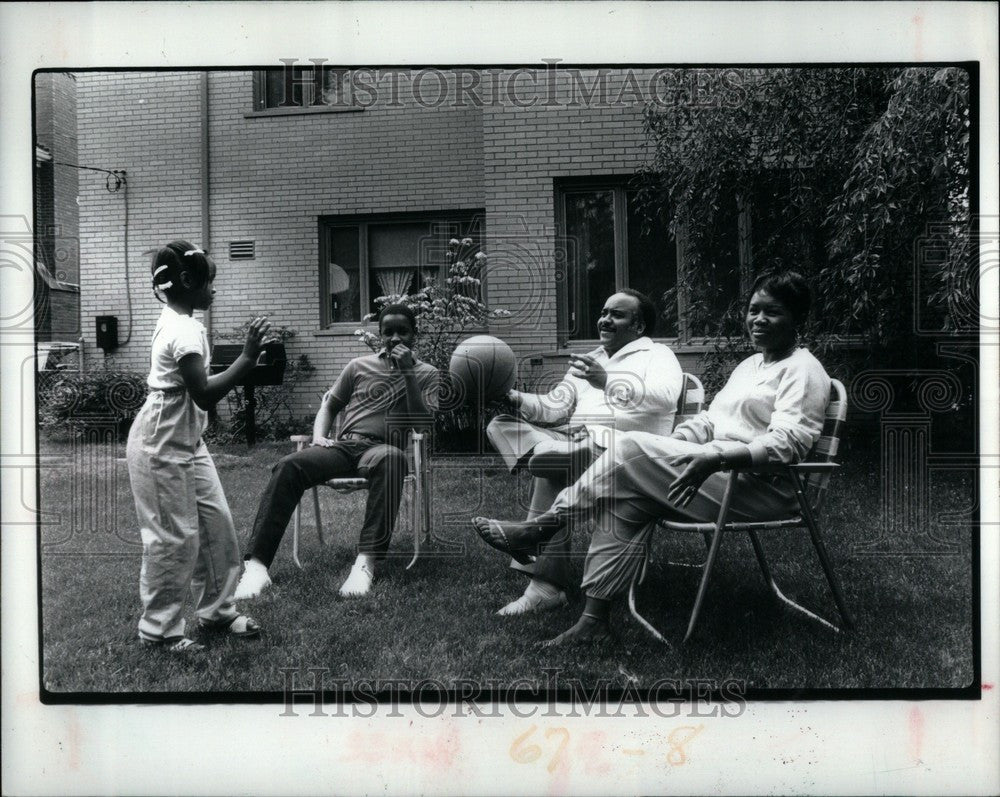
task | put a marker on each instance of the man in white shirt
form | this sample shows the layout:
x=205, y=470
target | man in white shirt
x=627, y=384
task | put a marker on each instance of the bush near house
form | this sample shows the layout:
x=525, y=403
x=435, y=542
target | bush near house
x=70, y=402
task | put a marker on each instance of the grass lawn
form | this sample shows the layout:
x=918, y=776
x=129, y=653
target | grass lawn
x=914, y=613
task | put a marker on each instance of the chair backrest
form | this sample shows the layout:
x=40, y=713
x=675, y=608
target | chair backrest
x=692, y=399
x=826, y=447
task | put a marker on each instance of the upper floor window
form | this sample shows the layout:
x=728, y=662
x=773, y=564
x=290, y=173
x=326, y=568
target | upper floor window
x=363, y=258
x=299, y=88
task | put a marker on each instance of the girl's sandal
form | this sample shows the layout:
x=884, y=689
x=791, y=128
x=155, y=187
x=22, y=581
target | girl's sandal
x=241, y=626
x=174, y=644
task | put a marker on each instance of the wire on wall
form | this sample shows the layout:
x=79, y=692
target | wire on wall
x=115, y=181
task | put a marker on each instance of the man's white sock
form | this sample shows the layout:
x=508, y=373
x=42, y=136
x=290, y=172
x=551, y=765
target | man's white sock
x=366, y=559
x=539, y=588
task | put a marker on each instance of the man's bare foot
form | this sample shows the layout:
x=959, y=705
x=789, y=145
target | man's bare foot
x=587, y=631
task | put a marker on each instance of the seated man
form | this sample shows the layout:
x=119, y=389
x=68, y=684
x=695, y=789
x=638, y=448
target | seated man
x=630, y=383
x=377, y=394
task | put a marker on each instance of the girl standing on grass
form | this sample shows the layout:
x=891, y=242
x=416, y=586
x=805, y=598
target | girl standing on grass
x=188, y=537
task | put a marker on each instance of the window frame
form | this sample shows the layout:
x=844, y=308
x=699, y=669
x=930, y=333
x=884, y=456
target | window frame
x=619, y=184
x=259, y=96
x=468, y=218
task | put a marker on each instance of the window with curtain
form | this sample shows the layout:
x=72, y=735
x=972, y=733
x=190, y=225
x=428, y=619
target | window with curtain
x=302, y=88
x=364, y=258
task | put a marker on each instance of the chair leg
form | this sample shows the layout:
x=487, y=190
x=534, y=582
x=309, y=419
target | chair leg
x=708, y=544
x=296, y=523
x=713, y=552
x=758, y=549
x=414, y=491
x=640, y=575
x=637, y=579
x=817, y=541
x=319, y=519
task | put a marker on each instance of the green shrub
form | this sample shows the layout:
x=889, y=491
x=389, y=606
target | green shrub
x=69, y=402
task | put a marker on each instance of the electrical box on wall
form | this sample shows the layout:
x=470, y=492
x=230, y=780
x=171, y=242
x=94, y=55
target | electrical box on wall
x=107, y=332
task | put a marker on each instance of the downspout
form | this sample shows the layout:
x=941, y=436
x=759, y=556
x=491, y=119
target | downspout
x=206, y=227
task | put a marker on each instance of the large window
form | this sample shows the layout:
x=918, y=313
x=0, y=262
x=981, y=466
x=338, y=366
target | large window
x=363, y=258
x=610, y=245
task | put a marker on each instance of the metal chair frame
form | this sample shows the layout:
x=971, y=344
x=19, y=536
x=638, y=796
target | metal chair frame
x=415, y=489
x=809, y=479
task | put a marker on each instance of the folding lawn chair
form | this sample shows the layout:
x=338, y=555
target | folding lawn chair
x=415, y=488
x=809, y=479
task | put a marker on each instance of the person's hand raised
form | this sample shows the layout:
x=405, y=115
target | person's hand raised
x=589, y=369
x=257, y=334
x=402, y=356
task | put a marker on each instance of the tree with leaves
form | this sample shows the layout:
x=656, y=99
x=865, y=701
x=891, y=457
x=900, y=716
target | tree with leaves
x=857, y=177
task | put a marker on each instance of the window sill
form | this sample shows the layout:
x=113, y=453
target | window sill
x=342, y=329
x=690, y=347
x=300, y=111
x=694, y=346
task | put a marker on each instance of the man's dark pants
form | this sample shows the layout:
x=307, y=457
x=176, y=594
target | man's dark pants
x=383, y=465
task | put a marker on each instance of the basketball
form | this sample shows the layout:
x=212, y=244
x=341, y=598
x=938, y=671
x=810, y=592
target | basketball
x=484, y=366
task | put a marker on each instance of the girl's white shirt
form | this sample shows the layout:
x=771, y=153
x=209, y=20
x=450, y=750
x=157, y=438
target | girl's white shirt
x=176, y=335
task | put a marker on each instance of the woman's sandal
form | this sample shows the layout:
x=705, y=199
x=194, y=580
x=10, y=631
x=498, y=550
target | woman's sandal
x=241, y=626
x=493, y=534
x=174, y=644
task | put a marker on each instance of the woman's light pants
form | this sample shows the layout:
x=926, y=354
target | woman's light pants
x=625, y=491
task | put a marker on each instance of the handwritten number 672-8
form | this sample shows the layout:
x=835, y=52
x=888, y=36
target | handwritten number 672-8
x=524, y=752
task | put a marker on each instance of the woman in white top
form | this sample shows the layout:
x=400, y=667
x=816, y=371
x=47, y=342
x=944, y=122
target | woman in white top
x=771, y=410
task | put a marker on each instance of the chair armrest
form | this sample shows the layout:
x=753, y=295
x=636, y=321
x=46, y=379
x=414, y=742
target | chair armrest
x=782, y=467
x=814, y=467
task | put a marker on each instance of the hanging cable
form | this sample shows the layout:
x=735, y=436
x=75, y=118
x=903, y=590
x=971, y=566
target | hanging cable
x=114, y=182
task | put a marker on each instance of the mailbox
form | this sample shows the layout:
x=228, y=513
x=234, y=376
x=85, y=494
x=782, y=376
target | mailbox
x=107, y=332
x=270, y=368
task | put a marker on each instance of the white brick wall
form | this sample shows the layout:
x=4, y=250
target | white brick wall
x=272, y=177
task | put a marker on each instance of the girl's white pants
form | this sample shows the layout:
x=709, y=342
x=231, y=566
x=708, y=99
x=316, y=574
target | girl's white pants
x=189, y=541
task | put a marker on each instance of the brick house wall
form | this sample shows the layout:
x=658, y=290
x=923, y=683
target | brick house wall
x=148, y=124
x=526, y=151
x=271, y=177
